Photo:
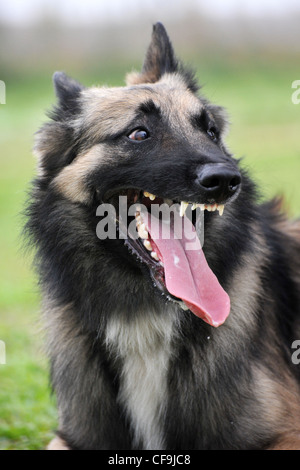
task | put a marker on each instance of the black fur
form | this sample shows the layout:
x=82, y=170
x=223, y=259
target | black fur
x=226, y=387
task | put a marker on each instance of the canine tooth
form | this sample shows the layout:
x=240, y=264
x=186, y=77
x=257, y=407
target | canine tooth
x=221, y=209
x=154, y=255
x=149, y=195
x=147, y=245
x=183, y=207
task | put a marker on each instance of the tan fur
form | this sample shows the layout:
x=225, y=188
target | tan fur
x=113, y=109
x=288, y=441
x=279, y=398
x=57, y=444
x=135, y=78
x=290, y=228
x=71, y=180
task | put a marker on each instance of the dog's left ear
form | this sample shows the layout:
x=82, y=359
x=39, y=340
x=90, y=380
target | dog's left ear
x=160, y=58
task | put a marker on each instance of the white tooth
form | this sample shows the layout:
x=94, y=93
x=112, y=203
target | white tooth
x=182, y=305
x=183, y=207
x=221, y=209
x=208, y=207
x=148, y=245
x=154, y=255
x=142, y=231
x=194, y=206
x=214, y=207
x=202, y=206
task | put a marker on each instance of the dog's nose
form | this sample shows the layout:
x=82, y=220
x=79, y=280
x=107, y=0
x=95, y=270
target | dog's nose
x=218, y=181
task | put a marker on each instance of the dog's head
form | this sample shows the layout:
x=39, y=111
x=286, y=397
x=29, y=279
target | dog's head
x=154, y=141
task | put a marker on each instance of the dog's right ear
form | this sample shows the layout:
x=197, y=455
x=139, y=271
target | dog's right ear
x=67, y=91
x=160, y=59
x=55, y=143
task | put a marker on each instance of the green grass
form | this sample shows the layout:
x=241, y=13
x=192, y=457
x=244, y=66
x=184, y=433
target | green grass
x=265, y=131
x=27, y=412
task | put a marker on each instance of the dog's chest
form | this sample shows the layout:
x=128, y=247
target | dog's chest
x=144, y=347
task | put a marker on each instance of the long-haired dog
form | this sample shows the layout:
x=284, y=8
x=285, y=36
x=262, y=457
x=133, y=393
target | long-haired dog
x=153, y=345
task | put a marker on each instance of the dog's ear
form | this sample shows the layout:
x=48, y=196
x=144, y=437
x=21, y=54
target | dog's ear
x=67, y=91
x=55, y=143
x=160, y=58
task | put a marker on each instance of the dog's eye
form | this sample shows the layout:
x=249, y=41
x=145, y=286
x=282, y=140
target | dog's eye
x=212, y=133
x=138, y=135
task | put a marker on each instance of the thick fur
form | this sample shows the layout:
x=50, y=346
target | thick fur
x=130, y=369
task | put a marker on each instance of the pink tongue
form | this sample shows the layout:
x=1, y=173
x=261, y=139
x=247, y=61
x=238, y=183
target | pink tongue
x=187, y=274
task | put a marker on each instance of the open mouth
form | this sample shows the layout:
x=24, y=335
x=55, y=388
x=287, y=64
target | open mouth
x=171, y=249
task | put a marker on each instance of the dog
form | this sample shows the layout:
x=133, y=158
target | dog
x=151, y=345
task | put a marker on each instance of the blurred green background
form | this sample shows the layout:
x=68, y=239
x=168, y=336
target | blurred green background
x=245, y=59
